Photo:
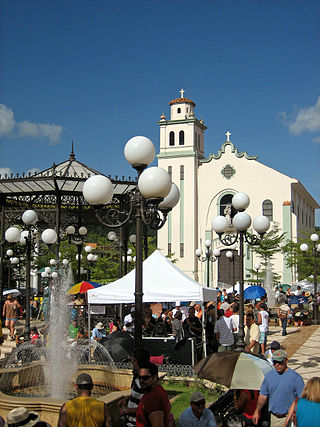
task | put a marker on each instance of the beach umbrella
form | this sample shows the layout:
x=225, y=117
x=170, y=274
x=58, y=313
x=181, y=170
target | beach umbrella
x=236, y=370
x=13, y=292
x=82, y=287
x=254, y=292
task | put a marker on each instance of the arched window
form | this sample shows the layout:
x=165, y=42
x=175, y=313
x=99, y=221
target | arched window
x=181, y=137
x=267, y=209
x=171, y=138
x=178, y=110
x=225, y=201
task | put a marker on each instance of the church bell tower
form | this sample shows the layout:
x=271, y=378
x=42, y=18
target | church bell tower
x=181, y=147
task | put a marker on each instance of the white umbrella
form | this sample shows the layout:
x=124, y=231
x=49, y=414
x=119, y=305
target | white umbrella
x=14, y=292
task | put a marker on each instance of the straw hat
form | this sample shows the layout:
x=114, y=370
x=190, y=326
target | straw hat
x=22, y=417
x=99, y=325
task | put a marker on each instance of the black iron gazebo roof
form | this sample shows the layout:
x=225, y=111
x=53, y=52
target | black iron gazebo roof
x=64, y=180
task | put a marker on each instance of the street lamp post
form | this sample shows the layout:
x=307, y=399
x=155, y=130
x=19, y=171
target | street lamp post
x=230, y=256
x=209, y=256
x=241, y=223
x=30, y=239
x=149, y=204
x=315, y=251
x=77, y=238
x=91, y=260
x=257, y=268
x=122, y=243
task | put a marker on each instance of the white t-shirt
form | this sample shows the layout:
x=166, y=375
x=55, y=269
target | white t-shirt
x=264, y=327
x=128, y=319
x=224, y=326
x=235, y=318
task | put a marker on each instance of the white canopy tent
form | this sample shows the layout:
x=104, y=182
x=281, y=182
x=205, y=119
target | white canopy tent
x=162, y=282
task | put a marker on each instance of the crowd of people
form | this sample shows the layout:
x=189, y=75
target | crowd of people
x=282, y=396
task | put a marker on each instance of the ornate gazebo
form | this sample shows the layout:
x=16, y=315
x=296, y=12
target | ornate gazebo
x=56, y=195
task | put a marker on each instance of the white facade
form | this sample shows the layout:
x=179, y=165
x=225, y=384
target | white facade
x=206, y=184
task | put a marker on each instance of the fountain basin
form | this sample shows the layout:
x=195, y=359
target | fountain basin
x=25, y=386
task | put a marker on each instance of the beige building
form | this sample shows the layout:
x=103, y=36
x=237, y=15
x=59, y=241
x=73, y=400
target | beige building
x=206, y=188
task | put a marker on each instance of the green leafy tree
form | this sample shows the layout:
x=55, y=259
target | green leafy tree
x=302, y=261
x=270, y=245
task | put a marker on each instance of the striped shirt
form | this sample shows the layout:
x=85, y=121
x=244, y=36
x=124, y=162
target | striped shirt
x=225, y=326
x=134, y=399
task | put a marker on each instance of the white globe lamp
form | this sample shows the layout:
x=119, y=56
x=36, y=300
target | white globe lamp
x=49, y=236
x=240, y=201
x=261, y=224
x=171, y=199
x=29, y=217
x=23, y=237
x=139, y=151
x=12, y=235
x=98, y=190
x=242, y=221
x=304, y=247
x=154, y=183
x=220, y=224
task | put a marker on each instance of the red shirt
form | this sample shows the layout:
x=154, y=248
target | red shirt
x=250, y=404
x=155, y=400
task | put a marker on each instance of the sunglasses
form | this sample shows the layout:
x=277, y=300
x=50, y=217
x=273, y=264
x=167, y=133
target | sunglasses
x=199, y=403
x=144, y=377
x=276, y=362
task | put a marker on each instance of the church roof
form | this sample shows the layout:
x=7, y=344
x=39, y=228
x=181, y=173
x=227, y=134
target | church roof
x=182, y=101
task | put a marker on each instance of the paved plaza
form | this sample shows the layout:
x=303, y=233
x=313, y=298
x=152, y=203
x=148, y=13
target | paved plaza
x=302, y=346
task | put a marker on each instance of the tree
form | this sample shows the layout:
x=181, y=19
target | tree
x=302, y=261
x=270, y=245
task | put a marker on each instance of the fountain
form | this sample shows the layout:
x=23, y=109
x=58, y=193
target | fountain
x=268, y=285
x=41, y=377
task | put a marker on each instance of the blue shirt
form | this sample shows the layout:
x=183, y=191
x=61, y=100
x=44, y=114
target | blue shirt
x=98, y=333
x=282, y=389
x=188, y=419
x=308, y=413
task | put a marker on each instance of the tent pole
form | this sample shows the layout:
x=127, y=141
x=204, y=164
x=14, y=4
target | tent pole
x=204, y=335
x=89, y=328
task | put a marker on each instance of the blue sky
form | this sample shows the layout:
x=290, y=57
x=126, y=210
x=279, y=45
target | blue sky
x=99, y=72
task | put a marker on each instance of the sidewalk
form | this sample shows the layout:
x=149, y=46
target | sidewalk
x=302, y=346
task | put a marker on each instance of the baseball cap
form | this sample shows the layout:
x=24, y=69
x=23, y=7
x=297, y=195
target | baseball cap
x=275, y=345
x=279, y=355
x=197, y=396
x=132, y=309
x=83, y=379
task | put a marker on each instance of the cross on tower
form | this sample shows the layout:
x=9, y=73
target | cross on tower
x=228, y=135
x=182, y=92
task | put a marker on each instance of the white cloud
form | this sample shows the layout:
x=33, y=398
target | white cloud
x=26, y=128
x=33, y=171
x=4, y=171
x=39, y=130
x=304, y=119
x=6, y=120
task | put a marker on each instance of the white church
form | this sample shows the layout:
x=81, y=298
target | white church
x=206, y=187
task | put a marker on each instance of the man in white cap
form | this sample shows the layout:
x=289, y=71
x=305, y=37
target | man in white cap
x=129, y=321
x=84, y=410
x=22, y=417
x=99, y=332
x=197, y=414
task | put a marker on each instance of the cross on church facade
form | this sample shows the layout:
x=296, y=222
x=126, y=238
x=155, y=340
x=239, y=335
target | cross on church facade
x=228, y=136
x=182, y=92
